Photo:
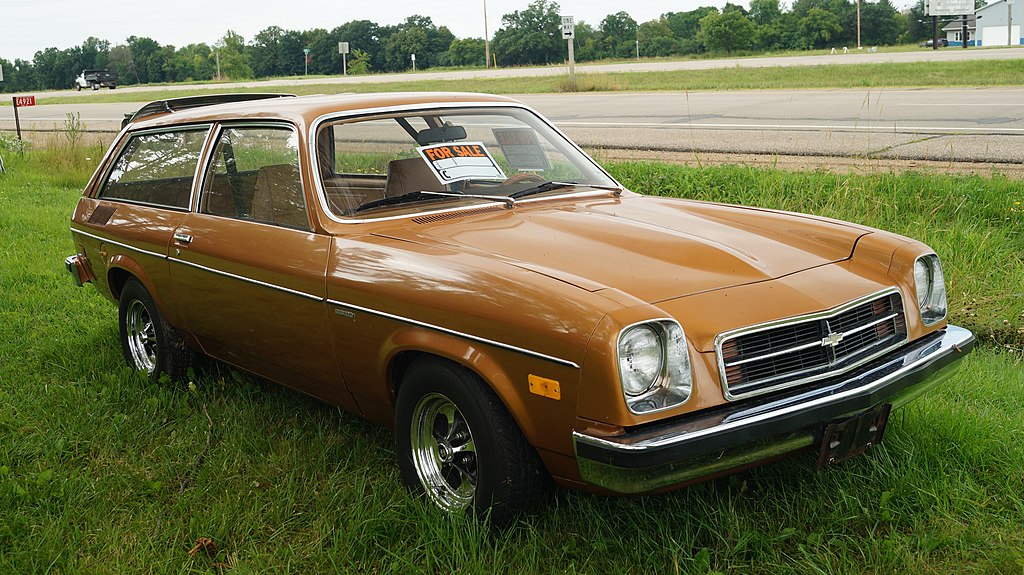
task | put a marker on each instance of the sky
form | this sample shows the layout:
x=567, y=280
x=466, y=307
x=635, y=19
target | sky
x=28, y=26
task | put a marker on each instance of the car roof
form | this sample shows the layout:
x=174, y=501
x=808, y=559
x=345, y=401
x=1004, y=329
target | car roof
x=305, y=109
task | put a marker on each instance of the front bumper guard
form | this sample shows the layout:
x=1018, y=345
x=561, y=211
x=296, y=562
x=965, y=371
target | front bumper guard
x=712, y=442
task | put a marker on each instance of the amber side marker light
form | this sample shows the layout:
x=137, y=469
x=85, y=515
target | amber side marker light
x=545, y=387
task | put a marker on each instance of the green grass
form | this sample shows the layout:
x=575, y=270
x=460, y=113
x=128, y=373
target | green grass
x=920, y=74
x=102, y=471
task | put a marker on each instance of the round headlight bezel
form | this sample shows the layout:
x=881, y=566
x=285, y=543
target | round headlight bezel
x=930, y=287
x=667, y=387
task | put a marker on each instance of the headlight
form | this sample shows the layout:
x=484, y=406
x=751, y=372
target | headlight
x=641, y=359
x=654, y=366
x=931, y=289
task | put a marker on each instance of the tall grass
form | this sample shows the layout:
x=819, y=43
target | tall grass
x=102, y=471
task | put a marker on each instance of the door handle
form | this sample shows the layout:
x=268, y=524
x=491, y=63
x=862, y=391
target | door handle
x=183, y=238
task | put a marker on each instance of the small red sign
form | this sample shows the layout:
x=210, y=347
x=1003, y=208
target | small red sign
x=24, y=101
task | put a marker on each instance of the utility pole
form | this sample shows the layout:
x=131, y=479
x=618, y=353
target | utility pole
x=858, y=24
x=1009, y=24
x=487, y=40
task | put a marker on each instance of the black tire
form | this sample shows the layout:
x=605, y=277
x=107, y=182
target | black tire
x=148, y=342
x=78, y=88
x=498, y=476
x=95, y=86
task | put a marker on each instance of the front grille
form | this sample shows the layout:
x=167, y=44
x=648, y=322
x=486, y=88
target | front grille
x=764, y=358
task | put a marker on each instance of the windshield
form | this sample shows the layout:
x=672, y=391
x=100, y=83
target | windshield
x=418, y=160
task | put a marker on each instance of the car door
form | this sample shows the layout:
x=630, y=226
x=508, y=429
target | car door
x=248, y=269
x=145, y=193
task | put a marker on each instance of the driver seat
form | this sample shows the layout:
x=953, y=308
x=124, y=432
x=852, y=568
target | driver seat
x=411, y=175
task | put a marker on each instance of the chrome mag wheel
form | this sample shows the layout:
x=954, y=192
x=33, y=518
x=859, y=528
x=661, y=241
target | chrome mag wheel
x=142, y=338
x=443, y=452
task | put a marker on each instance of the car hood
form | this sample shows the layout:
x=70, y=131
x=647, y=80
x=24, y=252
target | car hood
x=653, y=249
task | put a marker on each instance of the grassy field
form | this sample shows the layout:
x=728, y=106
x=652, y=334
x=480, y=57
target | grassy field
x=104, y=472
x=922, y=74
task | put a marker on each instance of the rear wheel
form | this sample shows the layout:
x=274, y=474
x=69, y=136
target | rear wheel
x=459, y=447
x=148, y=342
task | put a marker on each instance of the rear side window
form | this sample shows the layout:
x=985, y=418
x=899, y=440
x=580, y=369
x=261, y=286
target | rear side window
x=254, y=175
x=156, y=169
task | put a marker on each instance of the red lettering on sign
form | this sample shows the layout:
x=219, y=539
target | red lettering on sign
x=24, y=101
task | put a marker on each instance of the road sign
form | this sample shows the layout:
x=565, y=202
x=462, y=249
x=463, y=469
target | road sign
x=343, y=47
x=21, y=102
x=568, y=28
x=950, y=7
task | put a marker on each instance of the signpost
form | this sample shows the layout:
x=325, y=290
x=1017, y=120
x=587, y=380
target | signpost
x=568, y=33
x=21, y=102
x=936, y=8
x=343, y=50
x=305, y=59
x=414, y=62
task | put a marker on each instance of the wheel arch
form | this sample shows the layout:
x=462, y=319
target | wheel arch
x=497, y=369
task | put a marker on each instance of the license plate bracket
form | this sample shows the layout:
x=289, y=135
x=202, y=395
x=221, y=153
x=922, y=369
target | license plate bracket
x=845, y=439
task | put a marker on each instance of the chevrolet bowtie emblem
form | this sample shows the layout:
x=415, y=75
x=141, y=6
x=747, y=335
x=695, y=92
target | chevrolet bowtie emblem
x=831, y=339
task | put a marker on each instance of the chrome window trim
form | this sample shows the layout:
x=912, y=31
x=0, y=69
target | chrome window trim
x=822, y=315
x=456, y=333
x=208, y=160
x=119, y=244
x=354, y=114
x=200, y=162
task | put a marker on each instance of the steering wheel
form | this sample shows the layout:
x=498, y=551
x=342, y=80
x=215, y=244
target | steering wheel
x=520, y=178
x=525, y=177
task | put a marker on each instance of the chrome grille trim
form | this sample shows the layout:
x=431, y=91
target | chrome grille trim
x=816, y=347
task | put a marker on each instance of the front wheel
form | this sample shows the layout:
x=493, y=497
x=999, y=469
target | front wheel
x=459, y=447
x=148, y=343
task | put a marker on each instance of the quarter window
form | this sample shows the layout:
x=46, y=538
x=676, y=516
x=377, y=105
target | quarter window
x=156, y=169
x=254, y=175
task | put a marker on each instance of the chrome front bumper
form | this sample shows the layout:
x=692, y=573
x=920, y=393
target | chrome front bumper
x=712, y=442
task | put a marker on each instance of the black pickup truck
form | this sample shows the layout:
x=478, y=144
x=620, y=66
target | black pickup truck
x=96, y=79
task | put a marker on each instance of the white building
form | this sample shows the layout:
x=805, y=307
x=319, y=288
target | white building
x=955, y=29
x=992, y=22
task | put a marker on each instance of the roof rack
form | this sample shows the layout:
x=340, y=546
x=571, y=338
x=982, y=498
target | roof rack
x=176, y=104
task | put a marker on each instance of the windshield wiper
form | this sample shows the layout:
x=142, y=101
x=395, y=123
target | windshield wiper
x=549, y=186
x=509, y=201
x=425, y=195
x=394, y=200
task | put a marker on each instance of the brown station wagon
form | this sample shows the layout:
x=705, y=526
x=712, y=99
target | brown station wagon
x=453, y=266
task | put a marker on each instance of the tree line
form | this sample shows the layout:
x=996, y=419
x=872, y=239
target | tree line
x=528, y=36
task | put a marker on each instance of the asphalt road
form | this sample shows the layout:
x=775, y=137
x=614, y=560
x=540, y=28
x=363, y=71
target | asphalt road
x=955, y=125
x=865, y=56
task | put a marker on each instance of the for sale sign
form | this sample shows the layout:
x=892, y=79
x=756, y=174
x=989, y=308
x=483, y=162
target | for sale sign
x=24, y=101
x=462, y=161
